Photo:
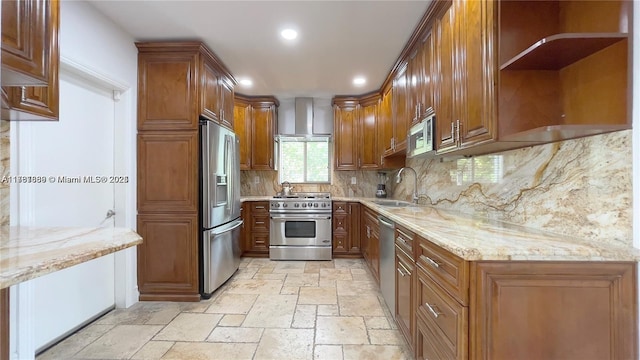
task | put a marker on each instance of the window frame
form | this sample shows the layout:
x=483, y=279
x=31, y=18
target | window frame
x=318, y=138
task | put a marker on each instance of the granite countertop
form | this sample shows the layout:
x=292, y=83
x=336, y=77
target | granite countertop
x=477, y=238
x=255, y=198
x=29, y=252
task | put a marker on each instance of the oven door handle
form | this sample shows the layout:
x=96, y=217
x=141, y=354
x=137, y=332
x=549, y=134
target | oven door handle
x=284, y=218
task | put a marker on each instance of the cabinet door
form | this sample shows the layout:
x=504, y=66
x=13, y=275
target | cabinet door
x=368, y=144
x=345, y=133
x=242, y=128
x=209, y=97
x=168, y=257
x=259, y=242
x=386, y=123
x=168, y=171
x=571, y=310
x=262, y=132
x=29, y=41
x=426, y=87
x=404, y=311
x=226, y=103
x=475, y=26
x=445, y=122
x=40, y=102
x=353, y=209
x=166, y=91
x=402, y=117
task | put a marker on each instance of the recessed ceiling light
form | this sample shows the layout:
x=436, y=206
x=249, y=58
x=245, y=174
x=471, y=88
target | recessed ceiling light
x=245, y=82
x=359, y=80
x=289, y=34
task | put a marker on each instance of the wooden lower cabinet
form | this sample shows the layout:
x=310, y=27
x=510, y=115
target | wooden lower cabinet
x=4, y=324
x=370, y=237
x=557, y=310
x=346, y=229
x=257, y=226
x=168, y=257
x=405, y=295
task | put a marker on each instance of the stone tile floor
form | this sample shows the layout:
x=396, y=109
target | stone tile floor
x=267, y=310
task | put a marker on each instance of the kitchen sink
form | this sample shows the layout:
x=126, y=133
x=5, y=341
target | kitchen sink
x=394, y=203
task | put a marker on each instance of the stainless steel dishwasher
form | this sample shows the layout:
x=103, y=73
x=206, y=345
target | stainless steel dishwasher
x=387, y=263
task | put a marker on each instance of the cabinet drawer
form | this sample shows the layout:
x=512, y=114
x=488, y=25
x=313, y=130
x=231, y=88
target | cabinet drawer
x=440, y=310
x=259, y=207
x=446, y=269
x=405, y=239
x=260, y=223
x=339, y=207
x=427, y=345
x=340, y=223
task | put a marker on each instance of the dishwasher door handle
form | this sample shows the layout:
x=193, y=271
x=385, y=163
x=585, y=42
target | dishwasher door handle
x=385, y=222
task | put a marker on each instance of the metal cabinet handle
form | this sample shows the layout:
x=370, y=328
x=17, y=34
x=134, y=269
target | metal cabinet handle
x=402, y=273
x=259, y=207
x=433, y=309
x=458, y=129
x=430, y=261
x=399, y=238
x=406, y=271
x=260, y=222
x=453, y=131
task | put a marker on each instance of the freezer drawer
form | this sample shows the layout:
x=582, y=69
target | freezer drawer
x=221, y=255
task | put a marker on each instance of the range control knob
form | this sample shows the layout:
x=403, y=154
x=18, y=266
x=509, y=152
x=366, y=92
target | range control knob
x=284, y=205
x=296, y=205
x=304, y=205
x=310, y=204
x=315, y=205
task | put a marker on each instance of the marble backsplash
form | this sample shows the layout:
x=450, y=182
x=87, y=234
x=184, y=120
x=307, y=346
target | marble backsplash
x=4, y=171
x=580, y=187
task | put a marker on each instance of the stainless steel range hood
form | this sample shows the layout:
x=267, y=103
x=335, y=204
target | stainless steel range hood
x=305, y=116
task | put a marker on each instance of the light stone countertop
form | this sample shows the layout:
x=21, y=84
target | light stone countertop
x=476, y=238
x=29, y=252
x=255, y=198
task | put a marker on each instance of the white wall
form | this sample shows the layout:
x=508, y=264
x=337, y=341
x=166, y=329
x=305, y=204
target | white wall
x=91, y=46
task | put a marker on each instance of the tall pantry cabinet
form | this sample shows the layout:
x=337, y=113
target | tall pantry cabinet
x=178, y=82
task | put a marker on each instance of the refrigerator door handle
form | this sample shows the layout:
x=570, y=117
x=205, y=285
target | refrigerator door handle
x=226, y=228
x=227, y=168
x=206, y=180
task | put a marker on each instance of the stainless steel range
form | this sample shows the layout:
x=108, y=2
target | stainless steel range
x=300, y=227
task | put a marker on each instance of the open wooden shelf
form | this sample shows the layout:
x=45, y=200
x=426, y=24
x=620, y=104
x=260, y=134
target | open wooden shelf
x=557, y=51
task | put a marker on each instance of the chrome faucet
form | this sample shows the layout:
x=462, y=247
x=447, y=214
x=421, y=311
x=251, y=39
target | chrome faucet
x=415, y=183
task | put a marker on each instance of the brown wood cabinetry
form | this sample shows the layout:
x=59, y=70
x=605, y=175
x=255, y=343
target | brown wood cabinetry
x=346, y=123
x=257, y=228
x=226, y=102
x=168, y=257
x=4, y=323
x=405, y=283
x=589, y=310
x=242, y=128
x=346, y=229
x=178, y=82
x=368, y=143
x=401, y=114
x=30, y=59
x=370, y=241
x=256, y=126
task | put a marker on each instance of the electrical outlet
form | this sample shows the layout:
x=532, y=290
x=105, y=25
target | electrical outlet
x=354, y=181
x=256, y=179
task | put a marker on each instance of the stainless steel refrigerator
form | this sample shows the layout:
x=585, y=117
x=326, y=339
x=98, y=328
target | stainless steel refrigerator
x=220, y=206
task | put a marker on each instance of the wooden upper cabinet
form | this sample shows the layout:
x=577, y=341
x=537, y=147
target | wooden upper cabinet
x=369, y=149
x=262, y=132
x=209, y=94
x=346, y=135
x=386, y=122
x=476, y=60
x=401, y=113
x=242, y=128
x=166, y=91
x=426, y=89
x=445, y=127
x=226, y=102
x=168, y=171
x=29, y=41
x=30, y=59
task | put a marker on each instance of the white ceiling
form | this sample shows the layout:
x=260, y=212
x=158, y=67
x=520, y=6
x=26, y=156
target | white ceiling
x=337, y=40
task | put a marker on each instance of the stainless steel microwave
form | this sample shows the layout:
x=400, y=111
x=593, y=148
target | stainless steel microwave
x=420, y=138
